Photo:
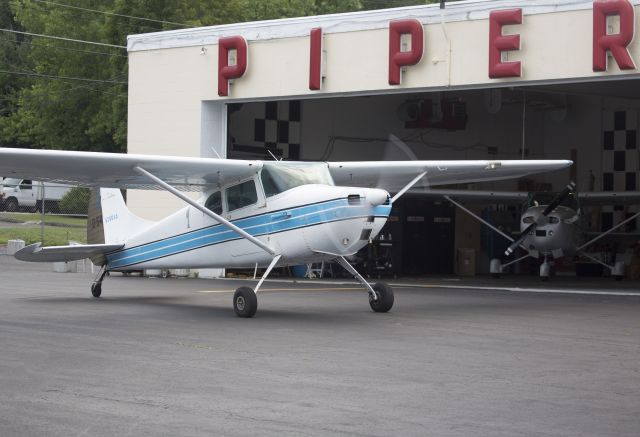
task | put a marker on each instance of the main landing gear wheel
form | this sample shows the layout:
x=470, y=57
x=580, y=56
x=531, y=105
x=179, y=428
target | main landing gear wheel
x=245, y=302
x=385, y=298
x=96, y=289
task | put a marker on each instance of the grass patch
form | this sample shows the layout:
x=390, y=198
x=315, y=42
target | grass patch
x=48, y=219
x=53, y=235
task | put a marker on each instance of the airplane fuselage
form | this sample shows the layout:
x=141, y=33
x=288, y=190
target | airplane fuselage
x=307, y=223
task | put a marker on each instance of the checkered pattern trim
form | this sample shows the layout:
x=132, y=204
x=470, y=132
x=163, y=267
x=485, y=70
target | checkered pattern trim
x=620, y=163
x=279, y=130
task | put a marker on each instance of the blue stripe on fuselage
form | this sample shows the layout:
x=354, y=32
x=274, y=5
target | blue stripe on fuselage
x=267, y=223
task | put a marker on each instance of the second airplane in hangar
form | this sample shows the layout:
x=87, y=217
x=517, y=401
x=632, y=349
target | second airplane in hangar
x=551, y=226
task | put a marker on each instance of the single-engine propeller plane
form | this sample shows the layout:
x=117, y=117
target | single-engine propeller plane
x=250, y=212
x=551, y=225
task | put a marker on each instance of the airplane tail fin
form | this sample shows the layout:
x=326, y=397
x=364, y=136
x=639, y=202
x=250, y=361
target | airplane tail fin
x=109, y=220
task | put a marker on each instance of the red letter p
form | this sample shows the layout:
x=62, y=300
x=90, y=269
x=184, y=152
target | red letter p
x=226, y=71
x=398, y=58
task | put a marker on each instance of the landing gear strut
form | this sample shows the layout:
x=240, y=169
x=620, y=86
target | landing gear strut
x=545, y=269
x=96, y=287
x=380, y=295
x=245, y=301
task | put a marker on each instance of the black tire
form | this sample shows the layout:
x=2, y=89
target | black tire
x=96, y=289
x=245, y=302
x=11, y=205
x=385, y=298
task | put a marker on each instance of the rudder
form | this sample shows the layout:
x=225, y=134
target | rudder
x=109, y=220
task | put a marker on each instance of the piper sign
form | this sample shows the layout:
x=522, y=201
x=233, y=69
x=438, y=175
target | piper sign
x=603, y=43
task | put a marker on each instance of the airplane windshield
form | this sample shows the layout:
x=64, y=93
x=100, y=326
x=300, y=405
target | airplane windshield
x=280, y=177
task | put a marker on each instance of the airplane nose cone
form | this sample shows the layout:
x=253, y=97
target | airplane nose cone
x=377, y=197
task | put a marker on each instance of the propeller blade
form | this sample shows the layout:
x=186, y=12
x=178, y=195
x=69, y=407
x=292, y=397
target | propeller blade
x=520, y=238
x=571, y=186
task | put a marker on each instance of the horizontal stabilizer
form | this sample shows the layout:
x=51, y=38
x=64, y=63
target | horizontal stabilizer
x=36, y=253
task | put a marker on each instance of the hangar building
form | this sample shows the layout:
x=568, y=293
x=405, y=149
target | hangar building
x=498, y=79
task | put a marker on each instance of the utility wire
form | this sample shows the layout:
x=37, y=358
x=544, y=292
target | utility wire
x=60, y=48
x=111, y=13
x=47, y=76
x=64, y=39
x=89, y=87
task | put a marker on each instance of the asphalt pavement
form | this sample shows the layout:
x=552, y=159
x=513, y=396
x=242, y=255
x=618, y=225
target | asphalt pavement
x=169, y=357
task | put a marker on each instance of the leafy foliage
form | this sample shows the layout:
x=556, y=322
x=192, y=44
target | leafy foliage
x=75, y=201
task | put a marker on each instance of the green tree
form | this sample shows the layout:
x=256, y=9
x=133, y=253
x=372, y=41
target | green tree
x=57, y=110
x=13, y=58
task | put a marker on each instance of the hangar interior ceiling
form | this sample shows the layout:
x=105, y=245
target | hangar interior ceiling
x=594, y=124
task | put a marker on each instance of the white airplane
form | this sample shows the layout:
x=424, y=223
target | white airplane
x=551, y=226
x=250, y=212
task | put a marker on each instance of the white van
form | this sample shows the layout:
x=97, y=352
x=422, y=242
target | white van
x=17, y=194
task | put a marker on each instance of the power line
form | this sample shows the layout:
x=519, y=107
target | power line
x=89, y=87
x=47, y=76
x=61, y=48
x=63, y=39
x=111, y=13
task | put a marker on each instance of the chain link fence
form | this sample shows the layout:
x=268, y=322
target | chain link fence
x=33, y=211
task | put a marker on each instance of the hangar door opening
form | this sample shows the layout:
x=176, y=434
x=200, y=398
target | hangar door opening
x=593, y=124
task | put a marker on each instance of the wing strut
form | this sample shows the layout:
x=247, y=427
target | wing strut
x=489, y=225
x=480, y=219
x=205, y=210
x=590, y=242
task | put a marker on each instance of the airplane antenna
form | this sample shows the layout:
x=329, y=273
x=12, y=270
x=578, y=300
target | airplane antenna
x=216, y=152
x=273, y=156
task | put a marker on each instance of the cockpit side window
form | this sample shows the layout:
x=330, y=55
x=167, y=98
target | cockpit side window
x=214, y=203
x=241, y=195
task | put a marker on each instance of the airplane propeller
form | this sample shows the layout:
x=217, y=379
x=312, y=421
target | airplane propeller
x=397, y=150
x=571, y=186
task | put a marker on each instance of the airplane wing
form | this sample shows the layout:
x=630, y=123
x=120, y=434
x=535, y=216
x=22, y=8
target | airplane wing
x=36, y=253
x=393, y=175
x=586, y=199
x=474, y=195
x=116, y=170
x=610, y=198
